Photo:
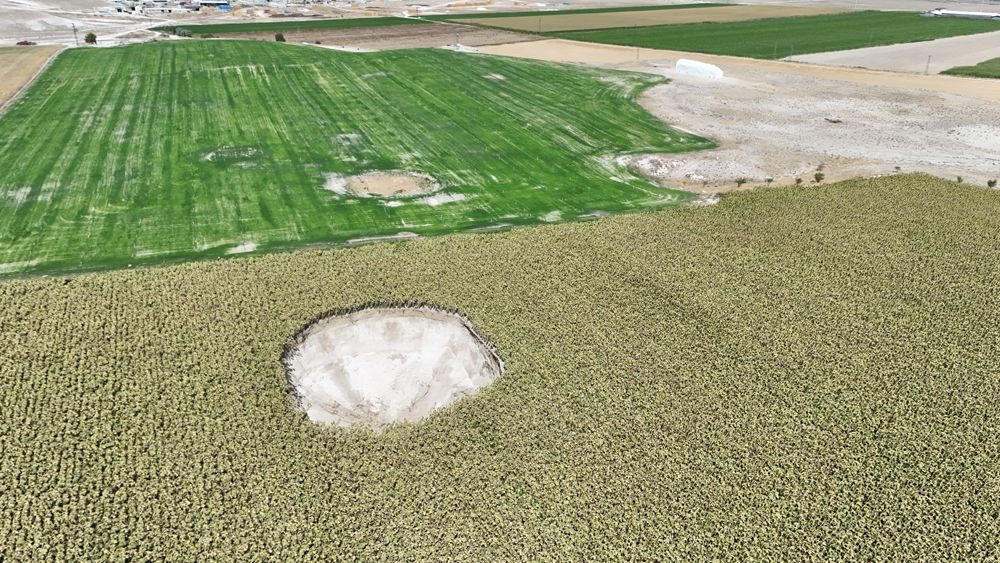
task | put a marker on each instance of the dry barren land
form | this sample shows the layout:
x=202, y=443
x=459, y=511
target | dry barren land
x=773, y=118
x=924, y=56
x=19, y=66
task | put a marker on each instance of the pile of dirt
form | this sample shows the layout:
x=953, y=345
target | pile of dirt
x=380, y=366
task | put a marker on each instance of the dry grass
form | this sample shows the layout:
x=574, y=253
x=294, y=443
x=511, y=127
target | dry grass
x=19, y=65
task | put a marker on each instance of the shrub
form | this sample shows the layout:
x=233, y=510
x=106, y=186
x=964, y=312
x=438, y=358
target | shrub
x=181, y=32
x=991, y=183
x=798, y=181
x=90, y=38
x=741, y=180
x=819, y=177
x=960, y=179
x=279, y=37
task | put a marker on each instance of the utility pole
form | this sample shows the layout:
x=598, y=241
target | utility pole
x=75, y=36
x=927, y=68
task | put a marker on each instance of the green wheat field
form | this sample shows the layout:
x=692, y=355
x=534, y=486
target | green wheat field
x=182, y=150
x=774, y=38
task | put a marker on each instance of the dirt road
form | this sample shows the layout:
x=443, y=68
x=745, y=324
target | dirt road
x=926, y=56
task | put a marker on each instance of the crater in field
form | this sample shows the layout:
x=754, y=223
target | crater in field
x=380, y=366
x=382, y=183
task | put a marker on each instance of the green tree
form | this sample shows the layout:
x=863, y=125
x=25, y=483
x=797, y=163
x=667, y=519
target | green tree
x=90, y=38
x=279, y=37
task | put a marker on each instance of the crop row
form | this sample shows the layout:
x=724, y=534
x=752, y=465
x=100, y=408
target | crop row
x=794, y=373
x=188, y=149
x=775, y=38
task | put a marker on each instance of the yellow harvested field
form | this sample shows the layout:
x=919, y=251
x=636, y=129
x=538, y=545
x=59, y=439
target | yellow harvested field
x=19, y=66
x=547, y=22
x=567, y=51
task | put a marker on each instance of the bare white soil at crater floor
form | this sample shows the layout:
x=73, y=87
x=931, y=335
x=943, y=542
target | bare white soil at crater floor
x=377, y=367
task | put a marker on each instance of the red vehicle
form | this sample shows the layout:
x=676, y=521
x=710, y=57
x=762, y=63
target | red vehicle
x=26, y=43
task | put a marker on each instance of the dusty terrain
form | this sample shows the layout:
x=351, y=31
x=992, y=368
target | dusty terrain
x=571, y=22
x=394, y=37
x=924, y=56
x=376, y=367
x=382, y=183
x=390, y=184
x=772, y=119
x=52, y=21
x=19, y=66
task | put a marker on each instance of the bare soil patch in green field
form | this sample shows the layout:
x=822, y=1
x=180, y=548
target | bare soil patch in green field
x=188, y=149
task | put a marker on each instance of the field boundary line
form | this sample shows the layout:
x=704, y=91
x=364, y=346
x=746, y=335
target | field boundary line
x=31, y=81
